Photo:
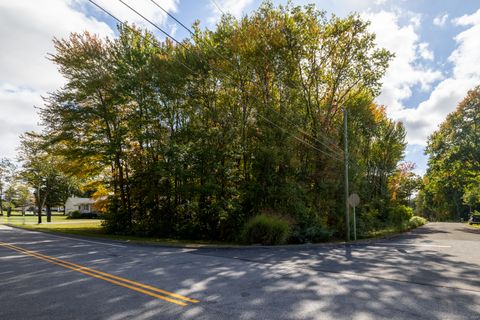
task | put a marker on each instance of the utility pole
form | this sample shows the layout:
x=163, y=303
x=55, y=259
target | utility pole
x=345, y=154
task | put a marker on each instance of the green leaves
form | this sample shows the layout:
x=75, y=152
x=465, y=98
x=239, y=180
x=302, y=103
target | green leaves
x=454, y=164
x=41, y=170
x=194, y=139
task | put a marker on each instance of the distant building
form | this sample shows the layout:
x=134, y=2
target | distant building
x=82, y=205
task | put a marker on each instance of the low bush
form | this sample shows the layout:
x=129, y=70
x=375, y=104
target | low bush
x=399, y=214
x=311, y=234
x=416, y=222
x=267, y=230
x=368, y=221
x=78, y=215
x=74, y=215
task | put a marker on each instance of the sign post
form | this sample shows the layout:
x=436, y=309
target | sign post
x=354, y=200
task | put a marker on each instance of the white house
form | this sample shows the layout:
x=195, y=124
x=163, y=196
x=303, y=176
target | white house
x=83, y=205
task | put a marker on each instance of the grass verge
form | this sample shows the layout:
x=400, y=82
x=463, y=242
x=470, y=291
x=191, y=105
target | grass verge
x=413, y=223
x=93, y=228
x=58, y=221
x=383, y=233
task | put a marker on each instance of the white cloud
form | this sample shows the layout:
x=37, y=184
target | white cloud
x=422, y=121
x=415, y=19
x=468, y=19
x=440, y=20
x=145, y=7
x=173, y=29
x=233, y=7
x=405, y=71
x=17, y=116
x=467, y=55
x=425, y=52
x=27, y=29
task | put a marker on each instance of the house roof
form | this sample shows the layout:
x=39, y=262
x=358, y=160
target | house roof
x=80, y=201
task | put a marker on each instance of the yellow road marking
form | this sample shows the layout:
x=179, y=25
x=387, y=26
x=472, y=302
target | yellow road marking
x=174, y=295
x=105, y=276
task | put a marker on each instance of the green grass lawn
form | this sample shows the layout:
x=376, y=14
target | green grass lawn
x=59, y=223
x=88, y=228
x=383, y=233
x=93, y=228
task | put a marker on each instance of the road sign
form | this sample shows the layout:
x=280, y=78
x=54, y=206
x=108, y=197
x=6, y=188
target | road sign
x=354, y=200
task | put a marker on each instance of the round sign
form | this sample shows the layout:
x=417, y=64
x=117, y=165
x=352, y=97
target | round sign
x=353, y=200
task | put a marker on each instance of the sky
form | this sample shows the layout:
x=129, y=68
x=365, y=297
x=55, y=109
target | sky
x=436, y=45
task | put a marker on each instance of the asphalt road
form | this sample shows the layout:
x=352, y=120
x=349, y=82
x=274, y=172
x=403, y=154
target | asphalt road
x=431, y=273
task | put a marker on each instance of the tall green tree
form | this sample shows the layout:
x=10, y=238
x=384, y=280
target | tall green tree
x=471, y=193
x=454, y=162
x=404, y=183
x=7, y=173
x=193, y=139
x=41, y=170
x=23, y=197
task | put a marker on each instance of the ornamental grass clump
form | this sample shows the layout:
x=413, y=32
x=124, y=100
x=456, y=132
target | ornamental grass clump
x=416, y=222
x=266, y=230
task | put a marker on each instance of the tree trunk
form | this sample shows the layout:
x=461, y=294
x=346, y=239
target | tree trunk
x=49, y=213
x=38, y=200
x=39, y=212
x=122, y=185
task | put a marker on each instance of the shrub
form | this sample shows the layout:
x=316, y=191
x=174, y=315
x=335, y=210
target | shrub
x=74, y=215
x=267, y=230
x=416, y=222
x=90, y=215
x=311, y=234
x=367, y=221
x=399, y=214
x=78, y=215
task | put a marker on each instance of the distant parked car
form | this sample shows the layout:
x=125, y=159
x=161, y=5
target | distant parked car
x=474, y=219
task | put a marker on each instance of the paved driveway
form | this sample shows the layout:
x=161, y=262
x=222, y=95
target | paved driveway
x=431, y=273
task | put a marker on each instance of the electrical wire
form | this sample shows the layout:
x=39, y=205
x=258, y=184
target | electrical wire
x=218, y=7
x=184, y=46
x=339, y=153
x=123, y=24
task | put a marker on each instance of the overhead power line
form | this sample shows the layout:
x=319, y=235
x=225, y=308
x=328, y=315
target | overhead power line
x=337, y=152
x=218, y=7
x=333, y=156
x=153, y=24
x=125, y=25
x=228, y=61
x=171, y=16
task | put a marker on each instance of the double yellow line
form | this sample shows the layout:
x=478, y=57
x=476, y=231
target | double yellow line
x=133, y=285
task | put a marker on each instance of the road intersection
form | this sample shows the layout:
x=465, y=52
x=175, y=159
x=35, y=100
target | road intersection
x=430, y=273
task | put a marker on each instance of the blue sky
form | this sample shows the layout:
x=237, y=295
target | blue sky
x=436, y=42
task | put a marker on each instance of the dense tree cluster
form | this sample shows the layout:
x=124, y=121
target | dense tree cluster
x=42, y=171
x=7, y=173
x=193, y=139
x=452, y=183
